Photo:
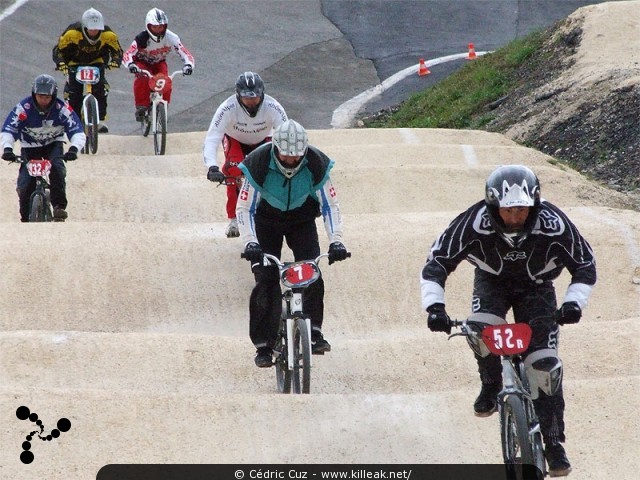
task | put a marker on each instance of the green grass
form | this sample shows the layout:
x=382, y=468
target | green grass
x=460, y=101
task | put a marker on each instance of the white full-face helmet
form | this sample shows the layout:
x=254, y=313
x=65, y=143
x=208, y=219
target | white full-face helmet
x=155, y=16
x=92, y=20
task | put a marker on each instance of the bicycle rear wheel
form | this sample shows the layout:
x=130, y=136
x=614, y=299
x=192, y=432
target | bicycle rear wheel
x=160, y=135
x=283, y=374
x=91, y=125
x=514, y=433
x=37, y=208
x=301, y=357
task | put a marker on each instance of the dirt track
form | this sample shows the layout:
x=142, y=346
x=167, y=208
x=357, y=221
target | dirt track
x=136, y=326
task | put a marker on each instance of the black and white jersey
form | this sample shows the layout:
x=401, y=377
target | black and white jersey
x=553, y=244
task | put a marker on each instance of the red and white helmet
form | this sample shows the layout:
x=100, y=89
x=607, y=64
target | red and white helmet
x=155, y=16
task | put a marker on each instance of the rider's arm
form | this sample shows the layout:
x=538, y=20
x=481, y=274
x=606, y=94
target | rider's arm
x=112, y=47
x=248, y=200
x=12, y=127
x=221, y=119
x=72, y=126
x=129, y=55
x=180, y=49
x=576, y=255
x=330, y=210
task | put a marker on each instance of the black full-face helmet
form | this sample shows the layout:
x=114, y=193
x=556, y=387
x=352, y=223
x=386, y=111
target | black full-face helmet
x=250, y=85
x=44, y=85
x=512, y=186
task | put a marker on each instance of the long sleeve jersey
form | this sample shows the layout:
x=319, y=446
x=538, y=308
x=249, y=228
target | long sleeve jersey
x=232, y=120
x=74, y=49
x=267, y=193
x=34, y=129
x=144, y=49
x=553, y=244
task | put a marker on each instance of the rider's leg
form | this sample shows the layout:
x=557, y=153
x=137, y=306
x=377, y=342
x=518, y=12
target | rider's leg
x=141, y=92
x=73, y=94
x=265, y=303
x=489, y=306
x=233, y=155
x=58, y=185
x=537, y=307
x=25, y=186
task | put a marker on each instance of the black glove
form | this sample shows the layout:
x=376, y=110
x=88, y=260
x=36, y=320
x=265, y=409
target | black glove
x=62, y=67
x=337, y=252
x=72, y=154
x=8, y=155
x=569, y=312
x=133, y=68
x=215, y=175
x=253, y=252
x=187, y=70
x=114, y=64
x=438, y=320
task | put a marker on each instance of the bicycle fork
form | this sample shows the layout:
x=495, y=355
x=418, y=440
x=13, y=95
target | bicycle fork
x=514, y=384
x=294, y=305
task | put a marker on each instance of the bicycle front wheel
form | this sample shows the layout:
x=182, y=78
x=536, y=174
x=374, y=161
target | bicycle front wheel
x=160, y=135
x=91, y=125
x=301, y=357
x=37, y=208
x=514, y=433
x=283, y=374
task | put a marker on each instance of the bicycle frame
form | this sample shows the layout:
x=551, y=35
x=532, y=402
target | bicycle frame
x=39, y=169
x=295, y=277
x=158, y=83
x=89, y=76
x=509, y=341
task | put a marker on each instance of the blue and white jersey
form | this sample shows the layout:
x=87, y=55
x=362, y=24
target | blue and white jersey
x=34, y=129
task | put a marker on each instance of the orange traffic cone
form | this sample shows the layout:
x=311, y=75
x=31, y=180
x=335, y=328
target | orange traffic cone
x=472, y=52
x=423, y=70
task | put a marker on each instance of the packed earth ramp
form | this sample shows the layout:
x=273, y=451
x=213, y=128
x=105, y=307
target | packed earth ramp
x=131, y=319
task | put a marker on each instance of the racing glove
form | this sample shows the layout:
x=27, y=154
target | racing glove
x=438, y=320
x=187, y=70
x=8, y=155
x=62, y=67
x=72, y=154
x=215, y=175
x=569, y=312
x=337, y=252
x=133, y=68
x=253, y=252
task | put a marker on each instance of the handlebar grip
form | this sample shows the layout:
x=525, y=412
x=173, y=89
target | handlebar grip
x=242, y=255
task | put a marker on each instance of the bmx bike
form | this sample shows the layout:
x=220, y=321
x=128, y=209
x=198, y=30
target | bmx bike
x=40, y=199
x=520, y=434
x=155, y=120
x=292, y=351
x=90, y=114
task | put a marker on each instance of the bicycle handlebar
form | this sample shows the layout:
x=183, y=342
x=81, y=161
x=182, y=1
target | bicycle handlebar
x=276, y=261
x=149, y=74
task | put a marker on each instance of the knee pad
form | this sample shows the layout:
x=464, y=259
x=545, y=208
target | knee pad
x=476, y=344
x=544, y=371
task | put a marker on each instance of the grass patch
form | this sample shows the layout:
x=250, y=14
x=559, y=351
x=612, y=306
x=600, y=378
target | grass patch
x=460, y=101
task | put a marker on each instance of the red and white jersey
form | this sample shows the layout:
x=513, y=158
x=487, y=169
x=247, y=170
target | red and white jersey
x=231, y=119
x=144, y=49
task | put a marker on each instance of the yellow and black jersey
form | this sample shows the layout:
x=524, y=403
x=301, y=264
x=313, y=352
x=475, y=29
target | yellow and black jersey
x=74, y=49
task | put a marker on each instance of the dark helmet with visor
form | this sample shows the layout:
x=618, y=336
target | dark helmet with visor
x=512, y=186
x=44, y=85
x=250, y=85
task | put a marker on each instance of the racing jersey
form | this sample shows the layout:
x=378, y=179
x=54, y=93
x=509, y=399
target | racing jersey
x=74, y=49
x=144, y=49
x=231, y=119
x=553, y=244
x=268, y=194
x=33, y=129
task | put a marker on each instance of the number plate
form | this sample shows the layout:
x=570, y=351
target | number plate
x=160, y=82
x=300, y=274
x=507, y=339
x=38, y=168
x=88, y=75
